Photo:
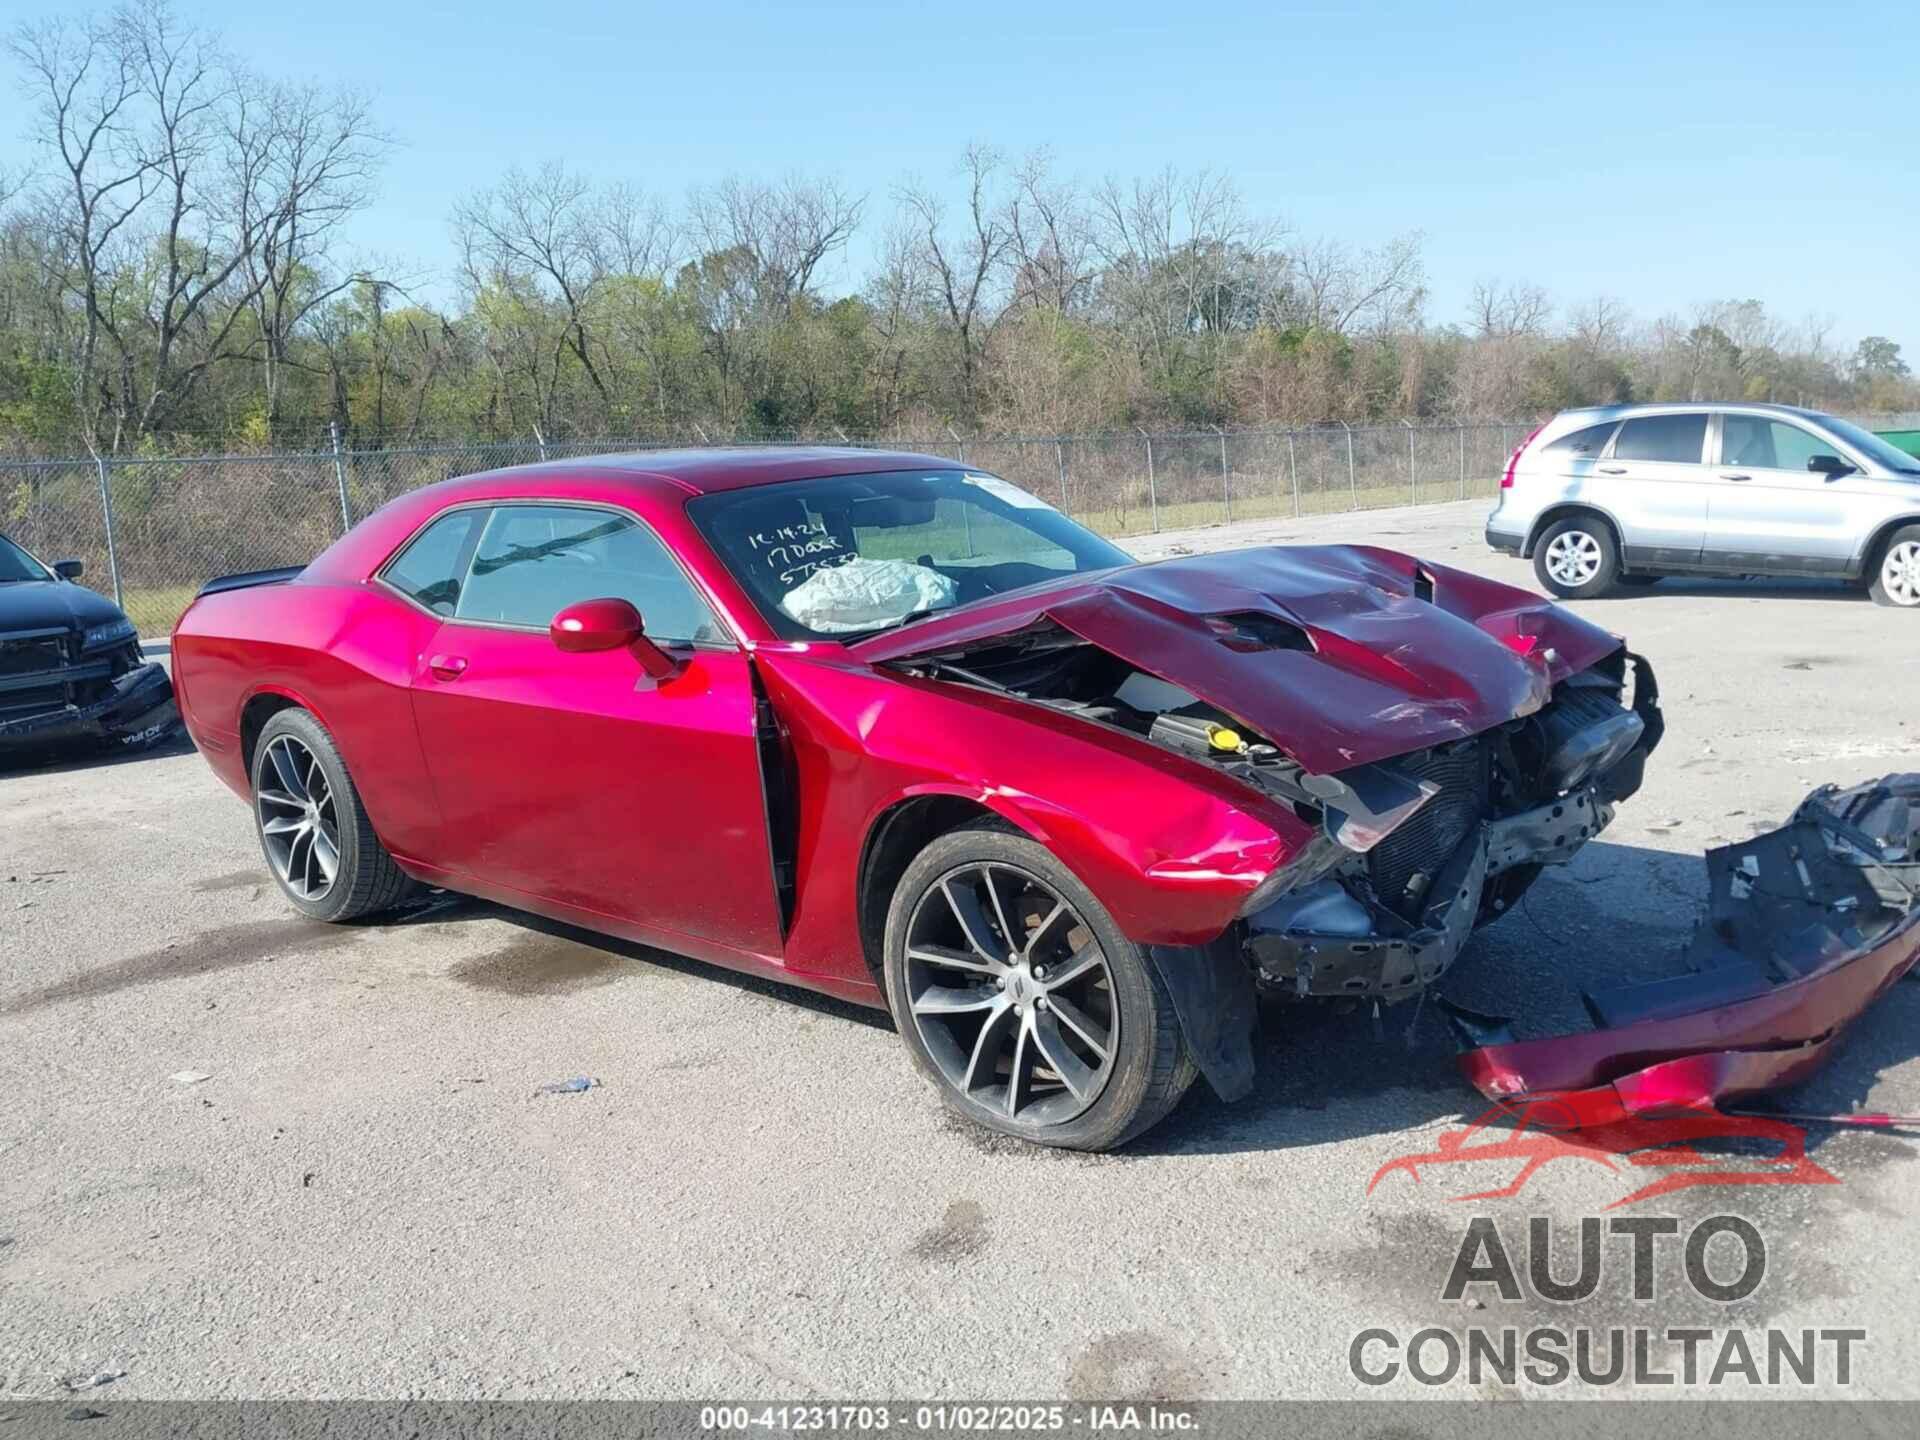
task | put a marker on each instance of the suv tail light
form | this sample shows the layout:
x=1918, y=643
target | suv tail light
x=1506, y=480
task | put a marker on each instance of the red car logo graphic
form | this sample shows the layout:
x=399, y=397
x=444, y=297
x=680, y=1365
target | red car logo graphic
x=1591, y=1125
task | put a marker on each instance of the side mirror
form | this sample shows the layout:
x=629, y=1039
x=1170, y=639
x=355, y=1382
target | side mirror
x=69, y=569
x=1831, y=466
x=610, y=624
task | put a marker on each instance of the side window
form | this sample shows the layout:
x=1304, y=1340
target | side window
x=535, y=560
x=1763, y=444
x=1583, y=444
x=1675, y=439
x=429, y=569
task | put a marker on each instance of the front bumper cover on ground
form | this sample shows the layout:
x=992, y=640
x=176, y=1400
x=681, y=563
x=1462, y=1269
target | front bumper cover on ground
x=1807, y=926
x=137, y=710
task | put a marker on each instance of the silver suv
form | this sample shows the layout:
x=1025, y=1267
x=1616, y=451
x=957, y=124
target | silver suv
x=1623, y=494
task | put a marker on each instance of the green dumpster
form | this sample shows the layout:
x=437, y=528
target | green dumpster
x=1907, y=440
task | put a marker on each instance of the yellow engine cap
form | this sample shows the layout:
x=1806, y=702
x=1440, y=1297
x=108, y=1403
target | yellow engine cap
x=1224, y=739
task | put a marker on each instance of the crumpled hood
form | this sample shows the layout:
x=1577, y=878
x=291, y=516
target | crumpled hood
x=51, y=605
x=1339, y=654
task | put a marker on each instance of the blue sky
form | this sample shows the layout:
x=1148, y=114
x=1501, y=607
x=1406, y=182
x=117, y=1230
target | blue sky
x=1663, y=154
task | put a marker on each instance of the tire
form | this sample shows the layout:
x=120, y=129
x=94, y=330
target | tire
x=1896, y=570
x=296, y=762
x=1577, y=558
x=951, y=1014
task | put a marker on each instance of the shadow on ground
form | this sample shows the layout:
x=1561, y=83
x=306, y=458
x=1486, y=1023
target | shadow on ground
x=554, y=958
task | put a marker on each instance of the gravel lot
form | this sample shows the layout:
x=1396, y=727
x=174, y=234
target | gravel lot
x=367, y=1198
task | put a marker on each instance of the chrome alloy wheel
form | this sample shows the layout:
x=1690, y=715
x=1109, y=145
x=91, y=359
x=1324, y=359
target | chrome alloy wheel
x=1573, y=558
x=1011, y=994
x=298, y=823
x=1900, y=573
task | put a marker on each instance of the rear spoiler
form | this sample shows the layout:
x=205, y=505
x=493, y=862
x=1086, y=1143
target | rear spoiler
x=247, y=579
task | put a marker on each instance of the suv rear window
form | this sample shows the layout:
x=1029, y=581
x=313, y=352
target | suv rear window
x=1583, y=444
x=1677, y=439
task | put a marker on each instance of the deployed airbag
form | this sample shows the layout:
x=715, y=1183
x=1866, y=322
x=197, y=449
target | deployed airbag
x=864, y=593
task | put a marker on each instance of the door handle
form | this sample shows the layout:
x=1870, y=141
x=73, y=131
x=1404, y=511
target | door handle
x=447, y=667
x=1613, y=469
x=1736, y=477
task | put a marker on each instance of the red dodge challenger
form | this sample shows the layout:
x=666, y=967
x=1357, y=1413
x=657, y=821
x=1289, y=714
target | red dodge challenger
x=896, y=730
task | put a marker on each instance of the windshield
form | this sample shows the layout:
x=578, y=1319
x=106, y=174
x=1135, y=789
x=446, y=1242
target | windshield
x=854, y=554
x=16, y=564
x=1876, y=449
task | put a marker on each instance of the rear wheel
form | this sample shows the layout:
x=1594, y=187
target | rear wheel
x=1577, y=558
x=313, y=830
x=1020, y=999
x=1896, y=579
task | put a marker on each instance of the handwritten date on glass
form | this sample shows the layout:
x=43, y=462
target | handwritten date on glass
x=795, y=552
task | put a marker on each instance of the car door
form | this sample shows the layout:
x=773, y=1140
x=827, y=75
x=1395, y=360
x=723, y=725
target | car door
x=1767, y=513
x=575, y=776
x=1657, y=483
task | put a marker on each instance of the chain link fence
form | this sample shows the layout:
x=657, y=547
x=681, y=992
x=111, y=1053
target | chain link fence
x=152, y=531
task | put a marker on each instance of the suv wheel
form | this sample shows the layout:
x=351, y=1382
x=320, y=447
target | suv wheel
x=1020, y=999
x=1896, y=580
x=1577, y=559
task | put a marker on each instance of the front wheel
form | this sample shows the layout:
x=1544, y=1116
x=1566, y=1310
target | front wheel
x=313, y=829
x=1020, y=999
x=1896, y=580
x=1577, y=558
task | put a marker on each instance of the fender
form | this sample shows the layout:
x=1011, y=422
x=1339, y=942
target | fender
x=1560, y=510
x=1170, y=848
x=1857, y=566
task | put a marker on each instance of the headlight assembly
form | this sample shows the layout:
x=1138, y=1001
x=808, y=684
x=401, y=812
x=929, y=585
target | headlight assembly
x=113, y=632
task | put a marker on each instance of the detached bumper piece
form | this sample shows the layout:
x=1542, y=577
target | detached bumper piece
x=1807, y=926
x=136, y=709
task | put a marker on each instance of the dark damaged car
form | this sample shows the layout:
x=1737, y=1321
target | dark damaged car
x=900, y=732
x=71, y=671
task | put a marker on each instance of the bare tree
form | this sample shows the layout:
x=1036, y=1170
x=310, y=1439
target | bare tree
x=1184, y=263
x=87, y=89
x=1051, y=236
x=629, y=232
x=1511, y=311
x=1332, y=286
x=897, y=297
x=177, y=172
x=538, y=231
x=321, y=153
x=964, y=269
x=787, y=229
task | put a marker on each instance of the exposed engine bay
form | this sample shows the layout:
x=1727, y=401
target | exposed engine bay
x=1412, y=852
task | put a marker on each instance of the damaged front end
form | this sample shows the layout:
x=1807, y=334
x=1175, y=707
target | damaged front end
x=1415, y=852
x=56, y=690
x=1807, y=926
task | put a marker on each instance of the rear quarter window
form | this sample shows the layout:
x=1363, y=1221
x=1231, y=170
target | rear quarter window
x=429, y=569
x=1674, y=439
x=1583, y=444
